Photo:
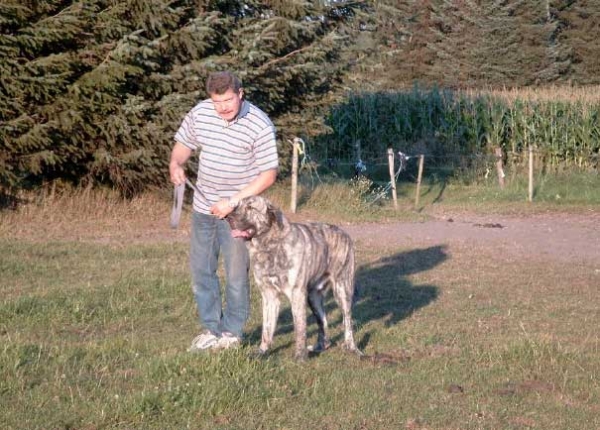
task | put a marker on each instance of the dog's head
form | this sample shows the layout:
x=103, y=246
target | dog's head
x=255, y=216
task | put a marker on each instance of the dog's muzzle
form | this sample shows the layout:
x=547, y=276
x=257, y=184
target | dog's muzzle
x=238, y=231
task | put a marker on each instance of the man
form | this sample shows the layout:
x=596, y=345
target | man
x=238, y=158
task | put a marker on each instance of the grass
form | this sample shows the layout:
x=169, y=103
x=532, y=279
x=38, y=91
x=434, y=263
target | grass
x=95, y=318
x=97, y=348
x=442, y=188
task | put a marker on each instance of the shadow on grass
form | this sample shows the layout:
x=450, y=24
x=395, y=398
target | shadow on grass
x=384, y=294
x=436, y=183
x=384, y=291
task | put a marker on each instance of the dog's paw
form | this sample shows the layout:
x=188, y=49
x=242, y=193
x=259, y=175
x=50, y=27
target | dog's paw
x=259, y=354
x=352, y=348
x=319, y=347
x=358, y=352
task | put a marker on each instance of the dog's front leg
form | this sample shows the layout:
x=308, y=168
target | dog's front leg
x=271, y=302
x=298, y=300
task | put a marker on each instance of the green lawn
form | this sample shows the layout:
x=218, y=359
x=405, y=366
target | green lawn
x=95, y=336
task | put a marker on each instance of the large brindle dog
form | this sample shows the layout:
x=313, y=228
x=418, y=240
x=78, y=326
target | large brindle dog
x=300, y=261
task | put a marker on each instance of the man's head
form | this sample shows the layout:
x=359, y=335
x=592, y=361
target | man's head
x=226, y=92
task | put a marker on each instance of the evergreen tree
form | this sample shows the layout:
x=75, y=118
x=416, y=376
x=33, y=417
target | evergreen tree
x=92, y=91
x=481, y=43
x=578, y=26
x=558, y=55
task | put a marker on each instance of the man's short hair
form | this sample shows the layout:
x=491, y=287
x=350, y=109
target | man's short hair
x=220, y=82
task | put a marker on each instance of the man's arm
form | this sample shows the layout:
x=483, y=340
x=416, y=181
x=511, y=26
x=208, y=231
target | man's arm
x=263, y=181
x=179, y=156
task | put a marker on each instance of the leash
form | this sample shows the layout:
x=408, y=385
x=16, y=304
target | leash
x=178, y=194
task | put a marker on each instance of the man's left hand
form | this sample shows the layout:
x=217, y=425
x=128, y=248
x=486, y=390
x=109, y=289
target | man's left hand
x=221, y=209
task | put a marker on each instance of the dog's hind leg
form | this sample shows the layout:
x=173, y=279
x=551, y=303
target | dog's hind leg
x=316, y=301
x=270, y=308
x=343, y=297
x=298, y=301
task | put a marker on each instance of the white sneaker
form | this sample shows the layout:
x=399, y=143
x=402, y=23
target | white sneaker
x=227, y=340
x=204, y=340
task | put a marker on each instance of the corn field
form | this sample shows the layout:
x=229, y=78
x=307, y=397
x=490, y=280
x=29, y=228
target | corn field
x=448, y=125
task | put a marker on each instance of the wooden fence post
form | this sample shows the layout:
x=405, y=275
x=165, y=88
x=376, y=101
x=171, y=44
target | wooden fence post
x=357, y=150
x=390, y=153
x=499, y=168
x=294, y=175
x=419, y=177
x=530, y=190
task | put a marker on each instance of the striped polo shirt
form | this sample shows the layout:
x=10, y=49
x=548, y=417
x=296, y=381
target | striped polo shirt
x=232, y=154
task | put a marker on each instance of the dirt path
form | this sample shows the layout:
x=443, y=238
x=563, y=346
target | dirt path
x=564, y=237
x=552, y=236
x=549, y=236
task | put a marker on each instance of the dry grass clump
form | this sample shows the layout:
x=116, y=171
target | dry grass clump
x=84, y=214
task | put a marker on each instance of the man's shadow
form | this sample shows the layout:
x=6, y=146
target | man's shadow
x=383, y=293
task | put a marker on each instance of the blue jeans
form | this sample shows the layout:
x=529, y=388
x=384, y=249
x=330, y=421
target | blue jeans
x=211, y=236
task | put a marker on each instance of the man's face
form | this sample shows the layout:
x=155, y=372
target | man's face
x=228, y=104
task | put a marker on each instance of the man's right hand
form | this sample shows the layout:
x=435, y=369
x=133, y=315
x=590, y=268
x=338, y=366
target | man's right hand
x=177, y=174
x=179, y=156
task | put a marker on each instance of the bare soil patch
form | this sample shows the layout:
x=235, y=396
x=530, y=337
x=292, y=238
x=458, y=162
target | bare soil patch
x=558, y=236
x=552, y=236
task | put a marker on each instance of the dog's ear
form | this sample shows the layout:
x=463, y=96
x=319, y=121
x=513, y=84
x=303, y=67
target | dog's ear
x=275, y=215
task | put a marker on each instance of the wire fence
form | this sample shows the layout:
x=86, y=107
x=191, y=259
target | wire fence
x=409, y=167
